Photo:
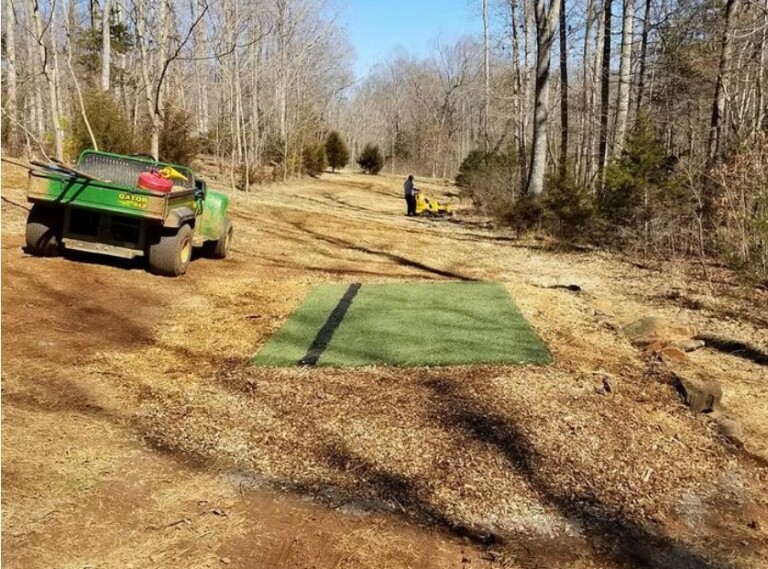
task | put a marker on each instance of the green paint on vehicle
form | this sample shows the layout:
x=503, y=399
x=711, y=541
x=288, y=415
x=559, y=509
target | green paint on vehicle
x=410, y=324
x=92, y=194
x=119, y=195
x=129, y=220
x=214, y=214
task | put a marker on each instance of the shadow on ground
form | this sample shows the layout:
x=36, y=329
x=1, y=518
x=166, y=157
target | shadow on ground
x=613, y=534
x=608, y=532
x=398, y=259
x=735, y=348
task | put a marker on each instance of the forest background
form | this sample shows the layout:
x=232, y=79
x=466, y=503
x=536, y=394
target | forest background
x=638, y=125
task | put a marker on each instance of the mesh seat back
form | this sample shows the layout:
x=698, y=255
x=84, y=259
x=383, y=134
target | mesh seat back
x=124, y=170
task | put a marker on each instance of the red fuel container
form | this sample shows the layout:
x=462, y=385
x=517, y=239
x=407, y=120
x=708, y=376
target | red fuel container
x=154, y=182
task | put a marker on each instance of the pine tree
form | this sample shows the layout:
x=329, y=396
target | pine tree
x=642, y=182
x=370, y=159
x=336, y=151
x=314, y=159
x=178, y=144
x=111, y=128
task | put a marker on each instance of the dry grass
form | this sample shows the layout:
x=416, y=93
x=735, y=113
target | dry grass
x=531, y=455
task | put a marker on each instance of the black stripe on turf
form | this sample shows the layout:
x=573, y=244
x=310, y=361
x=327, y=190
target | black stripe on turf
x=325, y=334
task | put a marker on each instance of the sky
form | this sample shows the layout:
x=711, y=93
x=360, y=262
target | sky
x=379, y=28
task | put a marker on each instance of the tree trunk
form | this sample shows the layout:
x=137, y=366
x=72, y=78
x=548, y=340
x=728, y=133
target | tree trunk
x=597, y=70
x=604, y=93
x=144, y=65
x=69, y=27
x=760, y=84
x=282, y=82
x=527, y=20
x=36, y=116
x=106, y=44
x=622, y=101
x=49, y=72
x=643, y=56
x=255, y=115
x=546, y=19
x=516, y=106
x=563, y=93
x=201, y=66
x=12, y=99
x=585, y=124
x=159, y=108
x=237, y=93
x=718, y=100
x=487, y=78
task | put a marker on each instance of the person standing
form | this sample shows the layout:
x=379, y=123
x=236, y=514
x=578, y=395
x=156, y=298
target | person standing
x=410, y=196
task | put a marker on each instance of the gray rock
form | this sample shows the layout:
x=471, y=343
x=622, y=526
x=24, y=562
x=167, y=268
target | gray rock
x=688, y=345
x=653, y=329
x=701, y=394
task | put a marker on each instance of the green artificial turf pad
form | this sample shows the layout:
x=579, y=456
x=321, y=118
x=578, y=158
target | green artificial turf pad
x=409, y=324
x=294, y=338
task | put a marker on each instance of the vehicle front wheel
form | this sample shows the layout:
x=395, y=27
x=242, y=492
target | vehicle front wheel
x=171, y=254
x=43, y=231
x=219, y=249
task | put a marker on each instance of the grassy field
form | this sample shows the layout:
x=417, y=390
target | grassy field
x=408, y=324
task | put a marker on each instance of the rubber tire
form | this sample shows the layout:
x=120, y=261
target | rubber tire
x=43, y=231
x=220, y=249
x=171, y=254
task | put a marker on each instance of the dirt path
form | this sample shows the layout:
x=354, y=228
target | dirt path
x=135, y=435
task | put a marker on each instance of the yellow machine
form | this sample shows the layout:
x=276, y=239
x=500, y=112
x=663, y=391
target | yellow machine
x=429, y=207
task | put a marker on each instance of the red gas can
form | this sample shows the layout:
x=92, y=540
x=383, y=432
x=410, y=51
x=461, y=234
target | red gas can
x=154, y=182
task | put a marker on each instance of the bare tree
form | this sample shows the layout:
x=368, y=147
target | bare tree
x=106, y=44
x=152, y=86
x=605, y=78
x=643, y=56
x=546, y=19
x=527, y=20
x=519, y=97
x=155, y=70
x=486, y=77
x=68, y=28
x=596, y=93
x=584, y=163
x=760, y=109
x=563, y=93
x=47, y=60
x=12, y=98
x=622, y=102
x=718, y=100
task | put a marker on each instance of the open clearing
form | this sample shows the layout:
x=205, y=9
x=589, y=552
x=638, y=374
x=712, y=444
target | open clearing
x=137, y=434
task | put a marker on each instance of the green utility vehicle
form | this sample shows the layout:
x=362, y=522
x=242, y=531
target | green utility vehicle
x=97, y=206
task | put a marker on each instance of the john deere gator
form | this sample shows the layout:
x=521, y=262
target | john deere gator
x=126, y=206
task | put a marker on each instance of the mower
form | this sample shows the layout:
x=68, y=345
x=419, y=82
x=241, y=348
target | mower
x=428, y=207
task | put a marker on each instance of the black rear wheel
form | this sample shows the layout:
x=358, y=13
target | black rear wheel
x=219, y=249
x=43, y=231
x=171, y=253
